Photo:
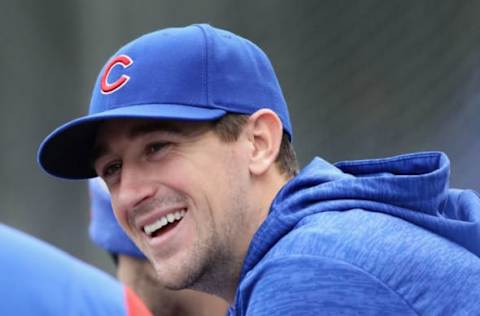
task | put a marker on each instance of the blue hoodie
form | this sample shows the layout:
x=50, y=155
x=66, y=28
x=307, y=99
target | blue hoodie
x=369, y=237
x=39, y=279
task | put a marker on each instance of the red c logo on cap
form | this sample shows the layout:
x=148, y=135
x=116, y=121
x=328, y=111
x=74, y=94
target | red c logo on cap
x=106, y=87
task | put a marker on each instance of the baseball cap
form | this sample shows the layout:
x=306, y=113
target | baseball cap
x=104, y=229
x=193, y=73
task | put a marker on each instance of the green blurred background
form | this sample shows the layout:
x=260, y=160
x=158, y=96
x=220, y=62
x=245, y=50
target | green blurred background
x=362, y=79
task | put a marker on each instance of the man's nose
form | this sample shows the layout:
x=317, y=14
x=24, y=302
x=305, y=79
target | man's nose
x=135, y=187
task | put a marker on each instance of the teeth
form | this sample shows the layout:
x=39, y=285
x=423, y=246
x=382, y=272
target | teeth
x=163, y=221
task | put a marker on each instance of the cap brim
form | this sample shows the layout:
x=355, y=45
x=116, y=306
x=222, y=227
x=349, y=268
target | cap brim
x=66, y=152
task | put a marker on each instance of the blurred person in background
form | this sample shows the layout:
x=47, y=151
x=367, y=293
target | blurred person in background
x=39, y=279
x=135, y=270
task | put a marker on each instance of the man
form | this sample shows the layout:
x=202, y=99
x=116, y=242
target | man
x=189, y=129
x=39, y=279
x=135, y=271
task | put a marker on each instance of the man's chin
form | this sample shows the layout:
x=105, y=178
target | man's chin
x=174, y=280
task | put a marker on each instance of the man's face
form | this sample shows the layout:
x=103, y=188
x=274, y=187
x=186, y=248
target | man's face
x=181, y=194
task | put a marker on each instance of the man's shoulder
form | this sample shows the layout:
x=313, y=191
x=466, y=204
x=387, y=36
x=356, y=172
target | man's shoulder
x=58, y=284
x=359, y=237
x=378, y=243
x=408, y=260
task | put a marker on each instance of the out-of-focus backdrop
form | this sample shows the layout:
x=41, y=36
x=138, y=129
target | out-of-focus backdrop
x=362, y=79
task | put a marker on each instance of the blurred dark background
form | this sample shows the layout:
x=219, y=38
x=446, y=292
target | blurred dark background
x=362, y=78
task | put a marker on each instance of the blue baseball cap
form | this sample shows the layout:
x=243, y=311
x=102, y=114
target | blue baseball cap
x=193, y=73
x=104, y=229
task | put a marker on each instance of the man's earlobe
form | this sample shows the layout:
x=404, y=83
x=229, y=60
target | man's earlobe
x=265, y=133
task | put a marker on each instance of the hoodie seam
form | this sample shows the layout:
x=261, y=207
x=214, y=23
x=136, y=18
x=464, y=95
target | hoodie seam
x=383, y=161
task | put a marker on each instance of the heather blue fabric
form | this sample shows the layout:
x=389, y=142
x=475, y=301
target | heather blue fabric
x=38, y=279
x=370, y=237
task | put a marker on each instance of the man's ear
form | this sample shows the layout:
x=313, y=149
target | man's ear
x=265, y=134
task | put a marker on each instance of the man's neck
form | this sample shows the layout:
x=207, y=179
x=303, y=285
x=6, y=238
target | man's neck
x=264, y=192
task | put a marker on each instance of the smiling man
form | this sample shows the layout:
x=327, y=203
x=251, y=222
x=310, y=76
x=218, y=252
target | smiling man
x=189, y=129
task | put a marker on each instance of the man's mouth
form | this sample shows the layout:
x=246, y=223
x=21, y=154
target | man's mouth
x=164, y=223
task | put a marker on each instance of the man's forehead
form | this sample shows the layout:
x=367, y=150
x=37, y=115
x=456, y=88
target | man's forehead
x=134, y=128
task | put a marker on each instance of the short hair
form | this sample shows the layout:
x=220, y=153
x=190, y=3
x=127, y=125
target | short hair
x=228, y=128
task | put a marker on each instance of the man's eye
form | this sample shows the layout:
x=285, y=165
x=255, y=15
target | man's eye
x=155, y=147
x=111, y=169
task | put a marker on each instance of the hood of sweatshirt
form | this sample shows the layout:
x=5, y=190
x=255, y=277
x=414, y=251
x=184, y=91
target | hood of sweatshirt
x=413, y=187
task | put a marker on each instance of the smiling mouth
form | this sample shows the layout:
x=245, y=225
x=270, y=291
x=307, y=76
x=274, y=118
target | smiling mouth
x=164, y=223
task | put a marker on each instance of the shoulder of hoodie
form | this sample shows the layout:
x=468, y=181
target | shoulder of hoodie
x=428, y=271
